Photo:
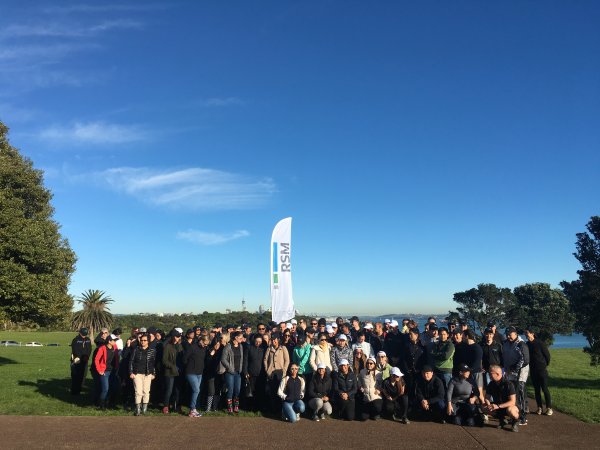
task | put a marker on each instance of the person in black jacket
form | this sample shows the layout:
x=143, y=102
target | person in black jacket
x=345, y=386
x=81, y=349
x=539, y=359
x=395, y=396
x=194, y=360
x=492, y=353
x=253, y=372
x=430, y=394
x=319, y=393
x=142, y=370
x=413, y=358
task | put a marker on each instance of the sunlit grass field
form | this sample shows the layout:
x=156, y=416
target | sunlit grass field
x=36, y=380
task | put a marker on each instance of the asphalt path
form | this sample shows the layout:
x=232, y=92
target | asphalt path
x=179, y=432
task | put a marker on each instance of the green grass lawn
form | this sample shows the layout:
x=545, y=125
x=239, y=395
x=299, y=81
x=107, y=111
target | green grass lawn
x=36, y=380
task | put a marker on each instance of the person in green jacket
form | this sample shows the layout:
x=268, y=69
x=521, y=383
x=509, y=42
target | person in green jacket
x=172, y=362
x=440, y=355
x=301, y=356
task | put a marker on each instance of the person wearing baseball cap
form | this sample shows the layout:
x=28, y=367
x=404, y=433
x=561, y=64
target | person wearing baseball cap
x=369, y=384
x=515, y=355
x=383, y=366
x=393, y=343
x=341, y=351
x=430, y=393
x=320, y=389
x=345, y=386
x=461, y=396
x=395, y=396
x=105, y=361
x=172, y=352
x=81, y=349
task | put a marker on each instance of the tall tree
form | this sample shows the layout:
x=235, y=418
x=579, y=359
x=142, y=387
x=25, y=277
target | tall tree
x=584, y=293
x=95, y=313
x=544, y=310
x=36, y=262
x=485, y=303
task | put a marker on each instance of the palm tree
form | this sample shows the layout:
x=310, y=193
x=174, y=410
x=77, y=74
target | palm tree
x=95, y=313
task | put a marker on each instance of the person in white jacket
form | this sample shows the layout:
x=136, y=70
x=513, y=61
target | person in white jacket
x=291, y=391
x=369, y=383
x=321, y=353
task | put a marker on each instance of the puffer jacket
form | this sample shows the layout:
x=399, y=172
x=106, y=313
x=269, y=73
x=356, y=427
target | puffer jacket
x=276, y=362
x=318, y=355
x=368, y=382
x=142, y=361
x=339, y=353
x=347, y=384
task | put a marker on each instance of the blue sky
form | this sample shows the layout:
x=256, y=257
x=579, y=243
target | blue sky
x=421, y=148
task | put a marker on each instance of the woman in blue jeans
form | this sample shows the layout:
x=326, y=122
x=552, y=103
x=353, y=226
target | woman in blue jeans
x=232, y=361
x=194, y=360
x=105, y=361
x=291, y=391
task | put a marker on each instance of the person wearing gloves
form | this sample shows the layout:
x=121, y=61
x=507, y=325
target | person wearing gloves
x=291, y=392
x=395, y=396
x=81, y=349
x=369, y=384
x=319, y=393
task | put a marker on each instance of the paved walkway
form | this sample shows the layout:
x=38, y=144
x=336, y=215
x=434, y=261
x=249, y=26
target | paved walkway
x=33, y=432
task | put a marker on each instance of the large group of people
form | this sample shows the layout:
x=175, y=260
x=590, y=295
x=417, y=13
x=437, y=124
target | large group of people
x=347, y=370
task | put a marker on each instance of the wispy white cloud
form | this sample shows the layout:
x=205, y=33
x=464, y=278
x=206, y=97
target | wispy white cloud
x=194, y=188
x=220, y=102
x=204, y=238
x=89, y=8
x=65, y=30
x=94, y=133
x=10, y=113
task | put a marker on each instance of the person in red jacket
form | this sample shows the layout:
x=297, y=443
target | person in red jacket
x=106, y=360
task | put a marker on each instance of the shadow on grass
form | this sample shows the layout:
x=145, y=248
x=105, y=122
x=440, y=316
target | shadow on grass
x=573, y=383
x=4, y=361
x=59, y=389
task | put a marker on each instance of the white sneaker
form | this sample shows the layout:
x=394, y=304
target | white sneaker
x=549, y=411
x=297, y=416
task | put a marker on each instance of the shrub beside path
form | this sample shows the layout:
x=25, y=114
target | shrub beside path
x=33, y=432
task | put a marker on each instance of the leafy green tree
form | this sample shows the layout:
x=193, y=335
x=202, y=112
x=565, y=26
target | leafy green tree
x=544, y=310
x=584, y=293
x=484, y=303
x=95, y=313
x=36, y=262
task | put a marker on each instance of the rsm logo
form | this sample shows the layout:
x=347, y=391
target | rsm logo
x=281, y=260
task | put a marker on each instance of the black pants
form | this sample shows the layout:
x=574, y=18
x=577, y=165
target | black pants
x=397, y=407
x=540, y=383
x=172, y=386
x=345, y=408
x=436, y=411
x=371, y=409
x=77, y=375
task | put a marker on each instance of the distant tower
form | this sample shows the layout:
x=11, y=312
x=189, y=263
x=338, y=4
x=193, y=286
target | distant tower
x=261, y=309
x=243, y=304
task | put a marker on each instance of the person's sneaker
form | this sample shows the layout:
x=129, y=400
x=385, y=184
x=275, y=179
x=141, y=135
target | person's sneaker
x=486, y=418
x=405, y=420
x=539, y=411
x=523, y=422
x=549, y=411
x=322, y=416
x=315, y=418
x=395, y=418
x=377, y=417
x=194, y=413
x=515, y=427
x=165, y=410
x=297, y=416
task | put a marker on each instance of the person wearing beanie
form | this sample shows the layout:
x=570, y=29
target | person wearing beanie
x=320, y=390
x=81, y=349
x=369, y=384
x=395, y=396
x=105, y=361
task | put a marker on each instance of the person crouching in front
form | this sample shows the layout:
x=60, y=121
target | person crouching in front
x=291, y=391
